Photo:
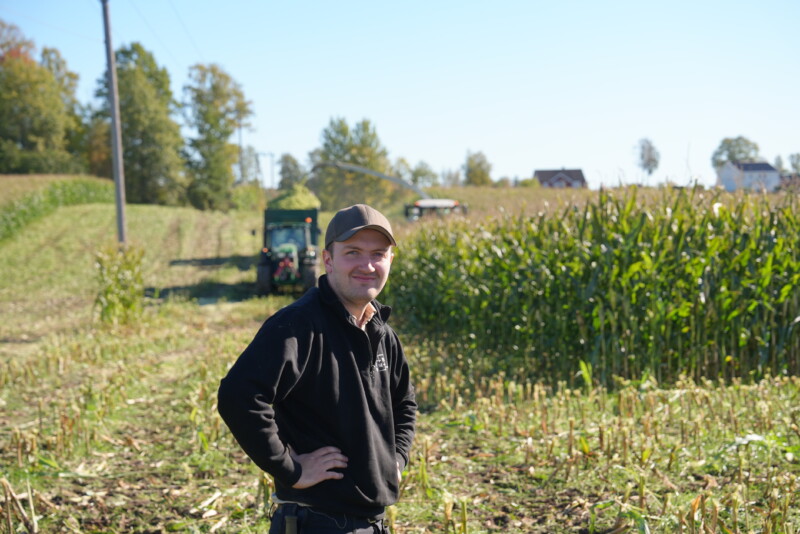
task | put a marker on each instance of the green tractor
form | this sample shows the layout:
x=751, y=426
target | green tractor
x=290, y=255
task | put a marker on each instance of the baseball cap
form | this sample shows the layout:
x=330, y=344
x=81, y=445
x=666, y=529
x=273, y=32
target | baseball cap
x=348, y=221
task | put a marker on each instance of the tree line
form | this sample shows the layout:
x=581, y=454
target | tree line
x=45, y=129
x=177, y=149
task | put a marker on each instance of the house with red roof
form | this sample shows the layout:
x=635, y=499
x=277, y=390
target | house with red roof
x=561, y=178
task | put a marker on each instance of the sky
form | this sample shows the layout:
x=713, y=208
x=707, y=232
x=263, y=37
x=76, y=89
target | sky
x=531, y=84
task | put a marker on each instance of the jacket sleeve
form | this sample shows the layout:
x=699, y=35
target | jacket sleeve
x=404, y=405
x=262, y=375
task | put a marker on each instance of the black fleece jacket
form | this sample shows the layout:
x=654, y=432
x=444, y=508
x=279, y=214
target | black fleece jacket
x=312, y=378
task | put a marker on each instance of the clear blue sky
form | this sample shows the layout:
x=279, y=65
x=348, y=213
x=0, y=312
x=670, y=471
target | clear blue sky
x=531, y=84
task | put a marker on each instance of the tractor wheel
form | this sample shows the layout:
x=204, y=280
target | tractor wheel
x=263, y=279
x=310, y=275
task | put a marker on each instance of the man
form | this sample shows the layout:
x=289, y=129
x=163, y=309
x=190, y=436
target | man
x=321, y=399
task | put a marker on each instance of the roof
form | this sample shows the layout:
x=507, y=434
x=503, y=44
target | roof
x=752, y=166
x=548, y=177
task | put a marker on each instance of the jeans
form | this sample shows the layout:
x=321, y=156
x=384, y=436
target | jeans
x=311, y=521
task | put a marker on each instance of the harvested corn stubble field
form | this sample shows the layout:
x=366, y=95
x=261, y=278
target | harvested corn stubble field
x=113, y=428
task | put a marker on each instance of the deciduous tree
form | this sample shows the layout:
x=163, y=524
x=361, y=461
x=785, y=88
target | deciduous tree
x=357, y=146
x=423, y=176
x=34, y=120
x=67, y=80
x=420, y=175
x=734, y=149
x=13, y=43
x=216, y=108
x=76, y=127
x=794, y=162
x=97, y=145
x=151, y=139
x=402, y=169
x=31, y=112
x=648, y=156
x=477, y=169
x=291, y=172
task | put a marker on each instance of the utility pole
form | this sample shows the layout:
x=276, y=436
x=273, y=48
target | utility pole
x=116, y=129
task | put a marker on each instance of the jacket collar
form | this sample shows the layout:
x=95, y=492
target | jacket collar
x=329, y=297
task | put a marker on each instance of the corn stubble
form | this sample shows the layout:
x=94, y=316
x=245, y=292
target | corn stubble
x=690, y=457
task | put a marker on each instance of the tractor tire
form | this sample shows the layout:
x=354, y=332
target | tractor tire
x=264, y=284
x=310, y=275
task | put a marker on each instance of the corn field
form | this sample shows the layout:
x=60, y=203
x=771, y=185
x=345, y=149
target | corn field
x=27, y=206
x=690, y=282
x=111, y=426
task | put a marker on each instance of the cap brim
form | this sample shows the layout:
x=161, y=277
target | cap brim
x=350, y=233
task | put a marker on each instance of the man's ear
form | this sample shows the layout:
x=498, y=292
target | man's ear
x=327, y=260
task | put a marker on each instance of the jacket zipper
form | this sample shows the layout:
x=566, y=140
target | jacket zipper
x=371, y=364
x=371, y=358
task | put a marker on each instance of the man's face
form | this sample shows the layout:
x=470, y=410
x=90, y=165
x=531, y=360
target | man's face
x=358, y=268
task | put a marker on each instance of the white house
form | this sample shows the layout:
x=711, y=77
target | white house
x=755, y=176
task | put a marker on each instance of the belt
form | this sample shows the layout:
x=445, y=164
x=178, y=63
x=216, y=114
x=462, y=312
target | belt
x=293, y=515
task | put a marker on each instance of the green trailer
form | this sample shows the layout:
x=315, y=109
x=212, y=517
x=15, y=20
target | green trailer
x=290, y=254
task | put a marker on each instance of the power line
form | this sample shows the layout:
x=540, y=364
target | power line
x=185, y=29
x=165, y=47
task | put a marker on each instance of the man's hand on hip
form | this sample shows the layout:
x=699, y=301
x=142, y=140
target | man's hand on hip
x=318, y=466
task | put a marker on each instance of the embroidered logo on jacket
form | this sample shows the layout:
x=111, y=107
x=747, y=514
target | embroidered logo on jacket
x=380, y=362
